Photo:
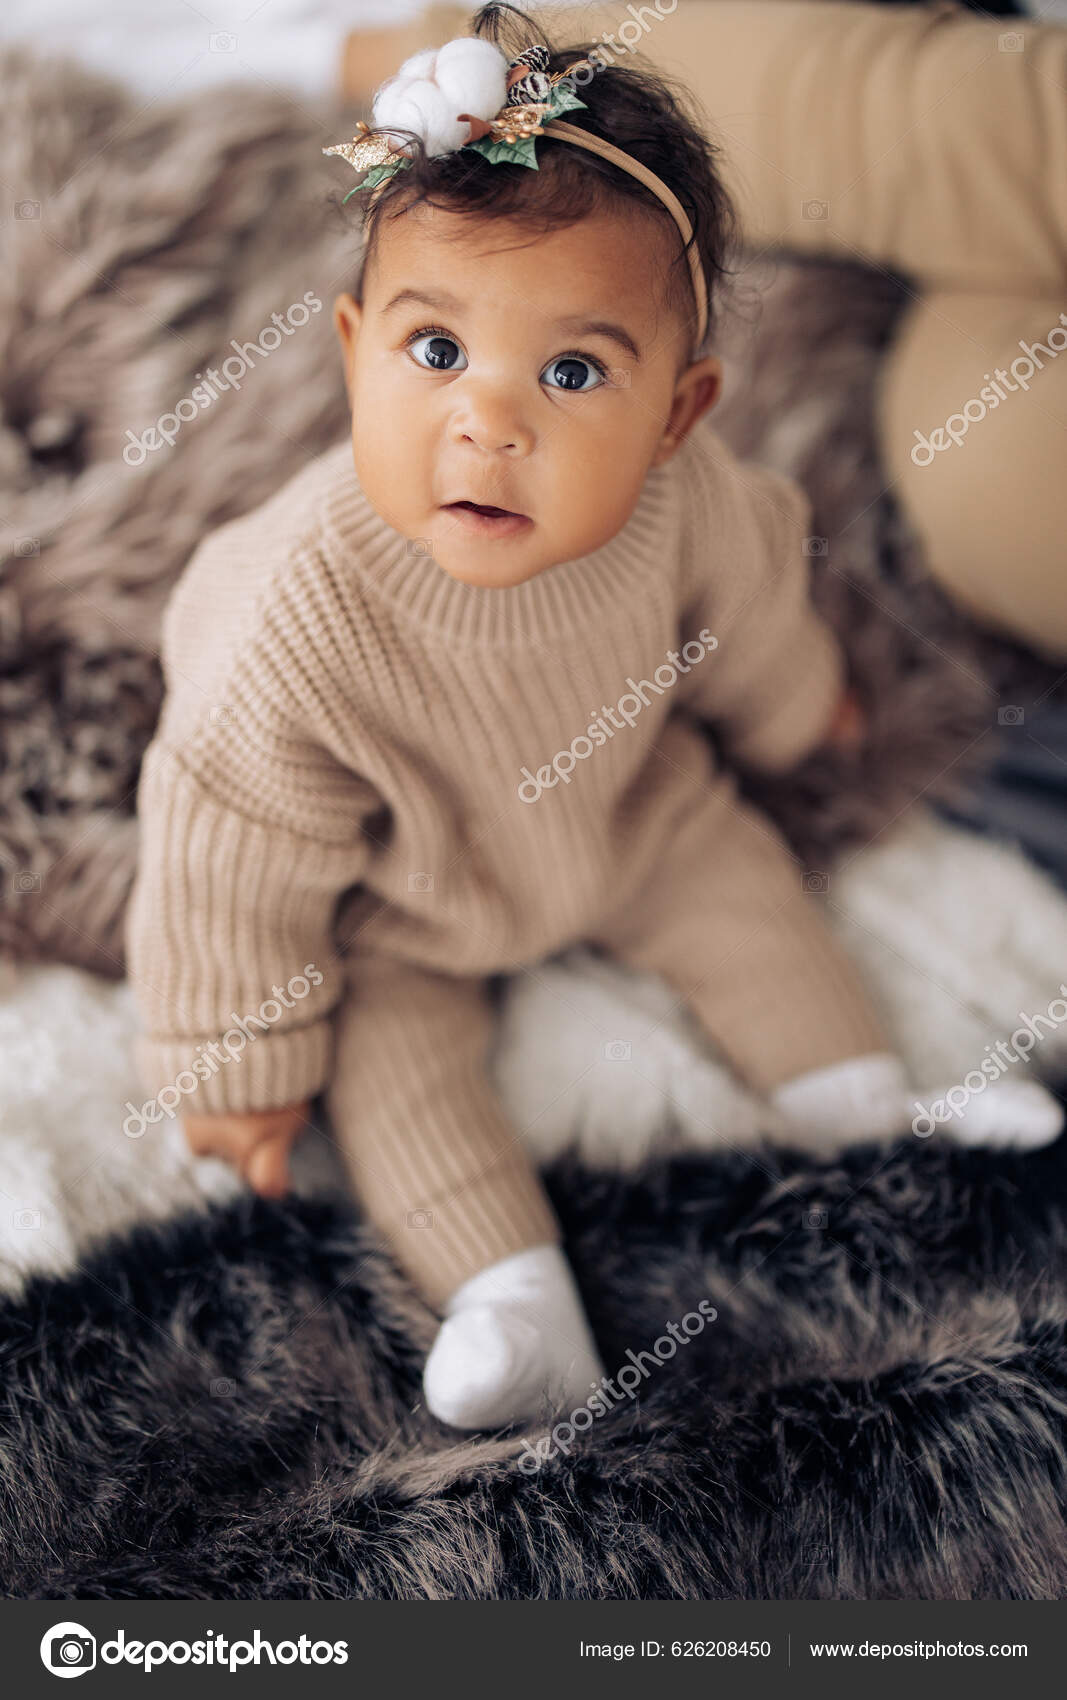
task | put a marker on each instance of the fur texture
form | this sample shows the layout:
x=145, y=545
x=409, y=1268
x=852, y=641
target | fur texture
x=230, y=1407
x=589, y=1058
x=205, y=1396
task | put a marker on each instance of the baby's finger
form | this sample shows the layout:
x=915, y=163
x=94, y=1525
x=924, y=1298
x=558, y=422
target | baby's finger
x=232, y=1137
x=267, y=1167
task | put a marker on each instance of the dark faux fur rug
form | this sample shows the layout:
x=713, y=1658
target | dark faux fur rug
x=230, y=1409
x=158, y=234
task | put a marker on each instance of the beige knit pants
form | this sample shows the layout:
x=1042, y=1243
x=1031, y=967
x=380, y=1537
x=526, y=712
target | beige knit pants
x=432, y=1156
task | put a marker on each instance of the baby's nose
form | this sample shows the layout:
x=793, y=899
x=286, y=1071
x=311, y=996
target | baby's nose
x=493, y=425
x=488, y=440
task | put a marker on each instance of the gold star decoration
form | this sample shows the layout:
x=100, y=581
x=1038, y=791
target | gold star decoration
x=366, y=149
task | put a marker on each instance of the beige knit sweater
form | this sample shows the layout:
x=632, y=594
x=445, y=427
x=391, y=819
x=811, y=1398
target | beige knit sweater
x=357, y=751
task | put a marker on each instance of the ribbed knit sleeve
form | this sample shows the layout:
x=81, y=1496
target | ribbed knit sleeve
x=777, y=673
x=251, y=829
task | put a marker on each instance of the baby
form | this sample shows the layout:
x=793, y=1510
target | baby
x=434, y=711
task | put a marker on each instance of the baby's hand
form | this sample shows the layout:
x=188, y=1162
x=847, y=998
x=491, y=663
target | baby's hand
x=256, y=1142
x=848, y=728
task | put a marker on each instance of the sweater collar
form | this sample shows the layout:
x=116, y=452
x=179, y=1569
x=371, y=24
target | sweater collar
x=571, y=596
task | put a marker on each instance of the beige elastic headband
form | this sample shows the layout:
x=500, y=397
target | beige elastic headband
x=608, y=150
x=533, y=99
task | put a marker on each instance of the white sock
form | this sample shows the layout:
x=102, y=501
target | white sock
x=868, y=1097
x=846, y=1103
x=1018, y=1114
x=515, y=1339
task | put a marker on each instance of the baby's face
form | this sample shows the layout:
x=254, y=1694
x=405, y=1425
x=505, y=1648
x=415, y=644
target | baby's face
x=544, y=378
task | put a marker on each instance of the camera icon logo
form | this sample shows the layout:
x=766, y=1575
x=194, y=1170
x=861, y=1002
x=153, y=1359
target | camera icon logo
x=816, y=546
x=27, y=209
x=420, y=546
x=68, y=1649
x=617, y=1050
x=816, y=209
x=817, y=1217
x=1011, y=715
x=814, y=881
x=26, y=1219
x=420, y=882
x=223, y=42
x=420, y=1219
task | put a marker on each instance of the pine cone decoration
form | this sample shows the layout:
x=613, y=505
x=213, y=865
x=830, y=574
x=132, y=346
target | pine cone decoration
x=528, y=77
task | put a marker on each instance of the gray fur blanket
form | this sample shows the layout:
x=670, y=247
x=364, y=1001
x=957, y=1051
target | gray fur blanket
x=225, y=1403
x=229, y=1408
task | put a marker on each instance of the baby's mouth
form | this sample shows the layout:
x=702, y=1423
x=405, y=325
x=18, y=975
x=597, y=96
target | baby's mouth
x=484, y=520
x=487, y=509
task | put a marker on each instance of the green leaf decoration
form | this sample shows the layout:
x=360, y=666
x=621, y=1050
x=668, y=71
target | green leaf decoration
x=521, y=152
x=377, y=173
x=564, y=101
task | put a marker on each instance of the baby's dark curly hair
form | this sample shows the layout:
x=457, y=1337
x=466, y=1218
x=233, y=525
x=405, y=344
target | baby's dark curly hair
x=641, y=111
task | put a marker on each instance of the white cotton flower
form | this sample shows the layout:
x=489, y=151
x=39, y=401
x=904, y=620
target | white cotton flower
x=434, y=86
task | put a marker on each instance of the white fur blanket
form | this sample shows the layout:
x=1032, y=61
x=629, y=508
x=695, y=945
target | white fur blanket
x=960, y=940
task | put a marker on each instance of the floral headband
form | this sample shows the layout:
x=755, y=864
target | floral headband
x=468, y=95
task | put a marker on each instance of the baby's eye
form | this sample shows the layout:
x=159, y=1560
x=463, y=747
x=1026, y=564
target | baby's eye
x=442, y=354
x=570, y=372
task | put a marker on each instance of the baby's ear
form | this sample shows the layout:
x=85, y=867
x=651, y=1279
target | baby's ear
x=698, y=389
x=347, y=318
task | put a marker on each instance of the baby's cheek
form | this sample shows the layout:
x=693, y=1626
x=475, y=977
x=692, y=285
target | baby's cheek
x=385, y=480
x=596, y=496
